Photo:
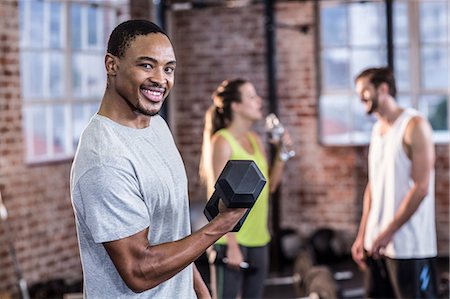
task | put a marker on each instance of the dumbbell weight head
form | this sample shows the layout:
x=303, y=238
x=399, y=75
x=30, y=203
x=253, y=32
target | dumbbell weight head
x=238, y=186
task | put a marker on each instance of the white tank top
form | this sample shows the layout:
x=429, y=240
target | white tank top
x=390, y=180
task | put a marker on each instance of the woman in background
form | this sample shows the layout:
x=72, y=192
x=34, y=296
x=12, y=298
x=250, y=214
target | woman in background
x=240, y=260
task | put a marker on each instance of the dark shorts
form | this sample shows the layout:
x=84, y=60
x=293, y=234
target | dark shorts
x=247, y=283
x=401, y=278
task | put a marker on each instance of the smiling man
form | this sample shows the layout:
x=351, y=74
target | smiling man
x=396, y=240
x=128, y=182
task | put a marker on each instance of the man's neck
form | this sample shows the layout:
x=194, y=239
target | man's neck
x=118, y=111
x=389, y=115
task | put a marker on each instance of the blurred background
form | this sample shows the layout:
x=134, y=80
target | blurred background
x=301, y=55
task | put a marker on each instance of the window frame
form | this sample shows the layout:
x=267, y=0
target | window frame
x=415, y=90
x=66, y=100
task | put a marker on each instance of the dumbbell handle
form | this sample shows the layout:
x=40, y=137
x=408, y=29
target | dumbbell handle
x=238, y=186
x=242, y=265
x=212, y=210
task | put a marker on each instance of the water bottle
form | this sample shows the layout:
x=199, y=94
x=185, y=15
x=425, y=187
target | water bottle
x=275, y=131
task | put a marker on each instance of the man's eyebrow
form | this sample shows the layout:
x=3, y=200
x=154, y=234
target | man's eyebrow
x=141, y=58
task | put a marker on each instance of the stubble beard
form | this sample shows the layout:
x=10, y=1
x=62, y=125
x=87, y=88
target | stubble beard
x=374, y=106
x=142, y=110
x=139, y=108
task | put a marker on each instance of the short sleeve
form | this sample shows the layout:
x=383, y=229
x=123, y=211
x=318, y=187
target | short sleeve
x=109, y=203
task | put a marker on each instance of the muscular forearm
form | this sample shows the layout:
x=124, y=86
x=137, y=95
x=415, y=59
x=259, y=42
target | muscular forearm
x=143, y=266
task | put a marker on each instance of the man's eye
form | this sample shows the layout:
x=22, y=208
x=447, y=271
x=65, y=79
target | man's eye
x=146, y=65
x=169, y=70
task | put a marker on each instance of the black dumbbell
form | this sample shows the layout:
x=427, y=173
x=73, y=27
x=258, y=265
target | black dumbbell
x=238, y=185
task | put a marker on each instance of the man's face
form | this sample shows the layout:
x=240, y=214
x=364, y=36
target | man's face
x=367, y=94
x=145, y=74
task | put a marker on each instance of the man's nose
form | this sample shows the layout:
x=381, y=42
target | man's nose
x=159, y=76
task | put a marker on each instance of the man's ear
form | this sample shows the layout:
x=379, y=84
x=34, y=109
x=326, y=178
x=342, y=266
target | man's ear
x=383, y=88
x=111, y=64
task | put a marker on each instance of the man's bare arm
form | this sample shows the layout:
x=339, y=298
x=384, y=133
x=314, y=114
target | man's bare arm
x=143, y=266
x=358, y=245
x=418, y=138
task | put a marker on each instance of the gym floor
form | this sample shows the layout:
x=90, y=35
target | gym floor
x=348, y=281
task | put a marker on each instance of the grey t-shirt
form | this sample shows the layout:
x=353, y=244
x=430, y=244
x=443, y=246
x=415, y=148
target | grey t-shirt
x=124, y=180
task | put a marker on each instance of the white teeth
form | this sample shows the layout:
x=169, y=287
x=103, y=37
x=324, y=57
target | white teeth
x=152, y=92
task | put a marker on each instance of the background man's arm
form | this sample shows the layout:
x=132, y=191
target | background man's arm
x=358, y=245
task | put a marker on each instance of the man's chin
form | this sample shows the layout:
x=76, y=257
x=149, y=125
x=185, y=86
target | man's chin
x=148, y=112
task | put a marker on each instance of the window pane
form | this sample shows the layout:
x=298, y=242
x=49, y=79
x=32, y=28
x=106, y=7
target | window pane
x=92, y=26
x=336, y=72
x=59, y=129
x=334, y=26
x=402, y=68
x=433, y=21
x=362, y=59
x=404, y=101
x=36, y=24
x=435, y=108
x=109, y=23
x=400, y=19
x=88, y=82
x=367, y=24
x=80, y=117
x=361, y=122
x=39, y=130
x=57, y=77
x=434, y=67
x=75, y=26
x=31, y=78
x=55, y=25
x=335, y=119
x=93, y=108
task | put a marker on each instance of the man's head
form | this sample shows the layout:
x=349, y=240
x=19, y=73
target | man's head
x=374, y=84
x=122, y=36
x=140, y=64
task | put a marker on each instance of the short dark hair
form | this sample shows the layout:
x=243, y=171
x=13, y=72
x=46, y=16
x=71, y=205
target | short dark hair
x=125, y=32
x=380, y=75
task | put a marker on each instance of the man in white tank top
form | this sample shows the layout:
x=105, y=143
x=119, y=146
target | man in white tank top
x=396, y=240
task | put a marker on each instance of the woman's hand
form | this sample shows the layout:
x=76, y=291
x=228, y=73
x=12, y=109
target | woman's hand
x=234, y=253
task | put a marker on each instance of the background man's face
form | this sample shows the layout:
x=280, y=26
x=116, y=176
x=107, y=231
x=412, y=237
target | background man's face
x=368, y=95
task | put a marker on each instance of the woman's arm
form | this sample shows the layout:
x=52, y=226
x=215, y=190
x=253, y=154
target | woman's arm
x=221, y=153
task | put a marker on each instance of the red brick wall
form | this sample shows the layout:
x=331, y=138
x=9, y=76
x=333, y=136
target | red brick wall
x=442, y=198
x=322, y=186
x=37, y=197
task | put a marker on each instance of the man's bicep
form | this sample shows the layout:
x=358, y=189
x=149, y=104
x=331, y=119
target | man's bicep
x=127, y=254
x=422, y=152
